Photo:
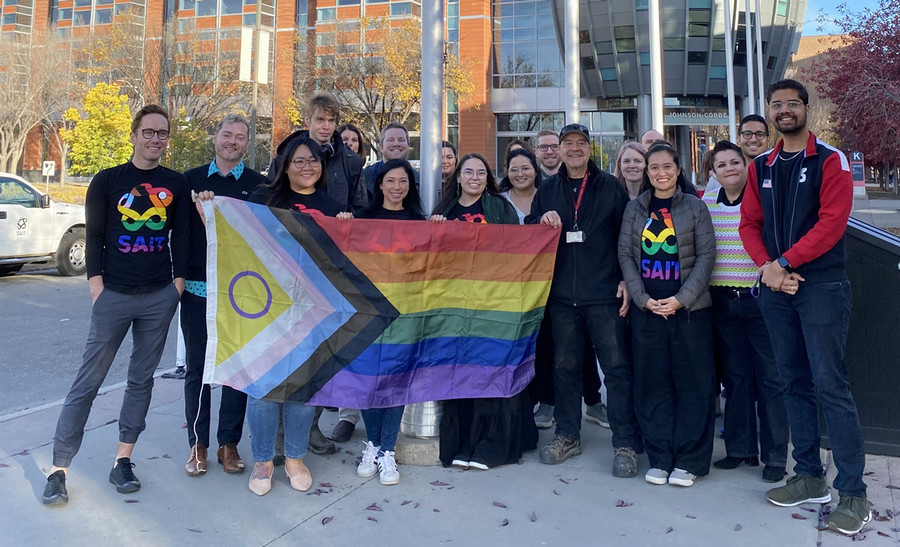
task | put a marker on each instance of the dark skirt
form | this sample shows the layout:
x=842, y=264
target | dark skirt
x=494, y=431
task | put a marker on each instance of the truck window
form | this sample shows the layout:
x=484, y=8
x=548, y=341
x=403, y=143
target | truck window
x=13, y=192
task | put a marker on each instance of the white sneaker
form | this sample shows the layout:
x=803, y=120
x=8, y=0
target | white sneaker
x=680, y=477
x=388, y=473
x=657, y=476
x=369, y=464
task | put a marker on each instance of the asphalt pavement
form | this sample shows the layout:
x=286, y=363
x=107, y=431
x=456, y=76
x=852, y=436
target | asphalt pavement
x=527, y=504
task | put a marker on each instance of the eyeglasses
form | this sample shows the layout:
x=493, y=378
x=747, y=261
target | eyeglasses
x=163, y=134
x=545, y=147
x=792, y=104
x=758, y=134
x=524, y=170
x=301, y=163
x=473, y=174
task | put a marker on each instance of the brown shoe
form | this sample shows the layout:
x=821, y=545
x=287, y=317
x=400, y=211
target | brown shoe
x=196, y=464
x=297, y=471
x=230, y=459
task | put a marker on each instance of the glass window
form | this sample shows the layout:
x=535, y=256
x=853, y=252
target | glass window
x=103, y=16
x=546, y=33
x=525, y=21
x=770, y=63
x=781, y=8
x=185, y=4
x=603, y=48
x=701, y=4
x=65, y=14
x=584, y=37
x=718, y=44
x=673, y=44
x=249, y=20
x=696, y=57
x=232, y=7
x=81, y=18
x=102, y=2
x=717, y=73
x=525, y=34
x=525, y=58
x=326, y=14
x=645, y=59
x=348, y=2
x=8, y=19
x=82, y=3
x=641, y=5
x=587, y=63
x=525, y=8
x=377, y=1
x=13, y=192
x=625, y=41
x=698, y=30
x=401, y=8
x=608, y=74
x=206, y=7
x=548, y=57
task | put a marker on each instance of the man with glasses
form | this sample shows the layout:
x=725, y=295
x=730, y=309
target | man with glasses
x=587, y=295
x=137, y=222
x=753, y=136
x=793, y=218
x=546, y=151
x=226, y=175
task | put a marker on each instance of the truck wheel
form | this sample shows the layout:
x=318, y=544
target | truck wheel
x=70, y=258
x=10, y=270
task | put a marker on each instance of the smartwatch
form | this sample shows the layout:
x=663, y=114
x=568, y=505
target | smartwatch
x=783, y=262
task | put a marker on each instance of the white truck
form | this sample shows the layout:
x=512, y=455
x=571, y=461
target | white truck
x=34, y=228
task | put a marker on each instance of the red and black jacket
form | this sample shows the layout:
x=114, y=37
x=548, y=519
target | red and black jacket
x=808, y=230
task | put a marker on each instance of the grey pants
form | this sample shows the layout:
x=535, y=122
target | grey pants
x=149, y=316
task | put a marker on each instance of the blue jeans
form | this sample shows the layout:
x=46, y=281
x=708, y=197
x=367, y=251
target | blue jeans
x=607, y=331
x=383, y=425
x=262, y=418
x=809, y=332
x=751, y=381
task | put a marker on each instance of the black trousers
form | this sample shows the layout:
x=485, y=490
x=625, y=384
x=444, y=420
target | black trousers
x=541, y=388
x=233, y=406
x=674, y=379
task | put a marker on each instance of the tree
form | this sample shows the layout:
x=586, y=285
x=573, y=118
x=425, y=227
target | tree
x=101, y=137
x=374, y=70
x=30, y=89
x=189, y=144
x=862, y=79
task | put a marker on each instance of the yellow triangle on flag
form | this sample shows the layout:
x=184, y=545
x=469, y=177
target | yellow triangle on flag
x=249, y=298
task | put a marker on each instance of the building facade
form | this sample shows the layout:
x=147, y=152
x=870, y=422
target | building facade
x=514, y=49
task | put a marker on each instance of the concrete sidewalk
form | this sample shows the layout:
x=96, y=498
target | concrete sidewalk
x=576, y=502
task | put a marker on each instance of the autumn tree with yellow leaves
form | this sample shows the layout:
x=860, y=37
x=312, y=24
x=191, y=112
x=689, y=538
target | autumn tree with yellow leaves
x=374, y=69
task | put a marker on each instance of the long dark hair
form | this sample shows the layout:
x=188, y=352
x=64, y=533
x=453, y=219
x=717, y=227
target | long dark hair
x=682, y=182
x=359, y=136
x=280, y=189
x=506, y=184
x=412, y=202
x=453, y=190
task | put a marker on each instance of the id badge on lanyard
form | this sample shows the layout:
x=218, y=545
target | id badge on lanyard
x=576, y=235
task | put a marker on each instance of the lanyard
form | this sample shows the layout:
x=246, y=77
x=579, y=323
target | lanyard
x=579, y=198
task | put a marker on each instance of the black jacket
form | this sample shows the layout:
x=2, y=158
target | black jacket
x=344, y=182
x=588, y=272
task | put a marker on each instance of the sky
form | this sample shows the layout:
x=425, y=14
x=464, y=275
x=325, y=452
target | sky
x=829, y=8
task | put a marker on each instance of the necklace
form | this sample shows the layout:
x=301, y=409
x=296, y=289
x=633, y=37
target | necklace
x=783, y=156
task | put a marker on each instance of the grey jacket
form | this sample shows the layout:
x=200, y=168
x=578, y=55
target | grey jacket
x=696, y=249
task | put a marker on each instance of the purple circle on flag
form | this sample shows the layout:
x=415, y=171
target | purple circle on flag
x=234, y=305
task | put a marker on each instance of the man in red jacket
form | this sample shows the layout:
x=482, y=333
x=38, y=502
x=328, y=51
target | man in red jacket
x=793, y=218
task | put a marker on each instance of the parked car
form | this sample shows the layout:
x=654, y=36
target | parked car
x=36, y=229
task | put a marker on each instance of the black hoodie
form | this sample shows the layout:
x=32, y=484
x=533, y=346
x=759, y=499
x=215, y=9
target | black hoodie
x=343, y=181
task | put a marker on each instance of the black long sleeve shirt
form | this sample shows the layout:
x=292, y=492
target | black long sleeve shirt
x=137, y=227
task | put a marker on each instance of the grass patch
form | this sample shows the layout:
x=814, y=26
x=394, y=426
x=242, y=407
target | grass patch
x=69, y=194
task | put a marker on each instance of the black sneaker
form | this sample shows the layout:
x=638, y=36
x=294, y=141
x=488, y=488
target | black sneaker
x=55, y=492
x=123, y=477
x=178, y=374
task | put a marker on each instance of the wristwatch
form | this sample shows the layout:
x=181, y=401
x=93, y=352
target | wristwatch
x=783, y=262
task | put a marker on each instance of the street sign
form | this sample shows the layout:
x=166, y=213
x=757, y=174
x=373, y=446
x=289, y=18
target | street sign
x=48, y=169
x=858, y=173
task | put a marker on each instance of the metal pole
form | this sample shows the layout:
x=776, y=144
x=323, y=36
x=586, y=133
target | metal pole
x=729, y=73
x=253, y=101
x=573, y=70
x=656, y=67
x=759, y=58
x=432, y=105
x=751, y=88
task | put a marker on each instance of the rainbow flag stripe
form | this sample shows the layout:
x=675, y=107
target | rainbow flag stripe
x=371, y=313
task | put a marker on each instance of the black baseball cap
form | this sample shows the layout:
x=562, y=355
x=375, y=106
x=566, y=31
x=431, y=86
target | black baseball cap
x=575, y=128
